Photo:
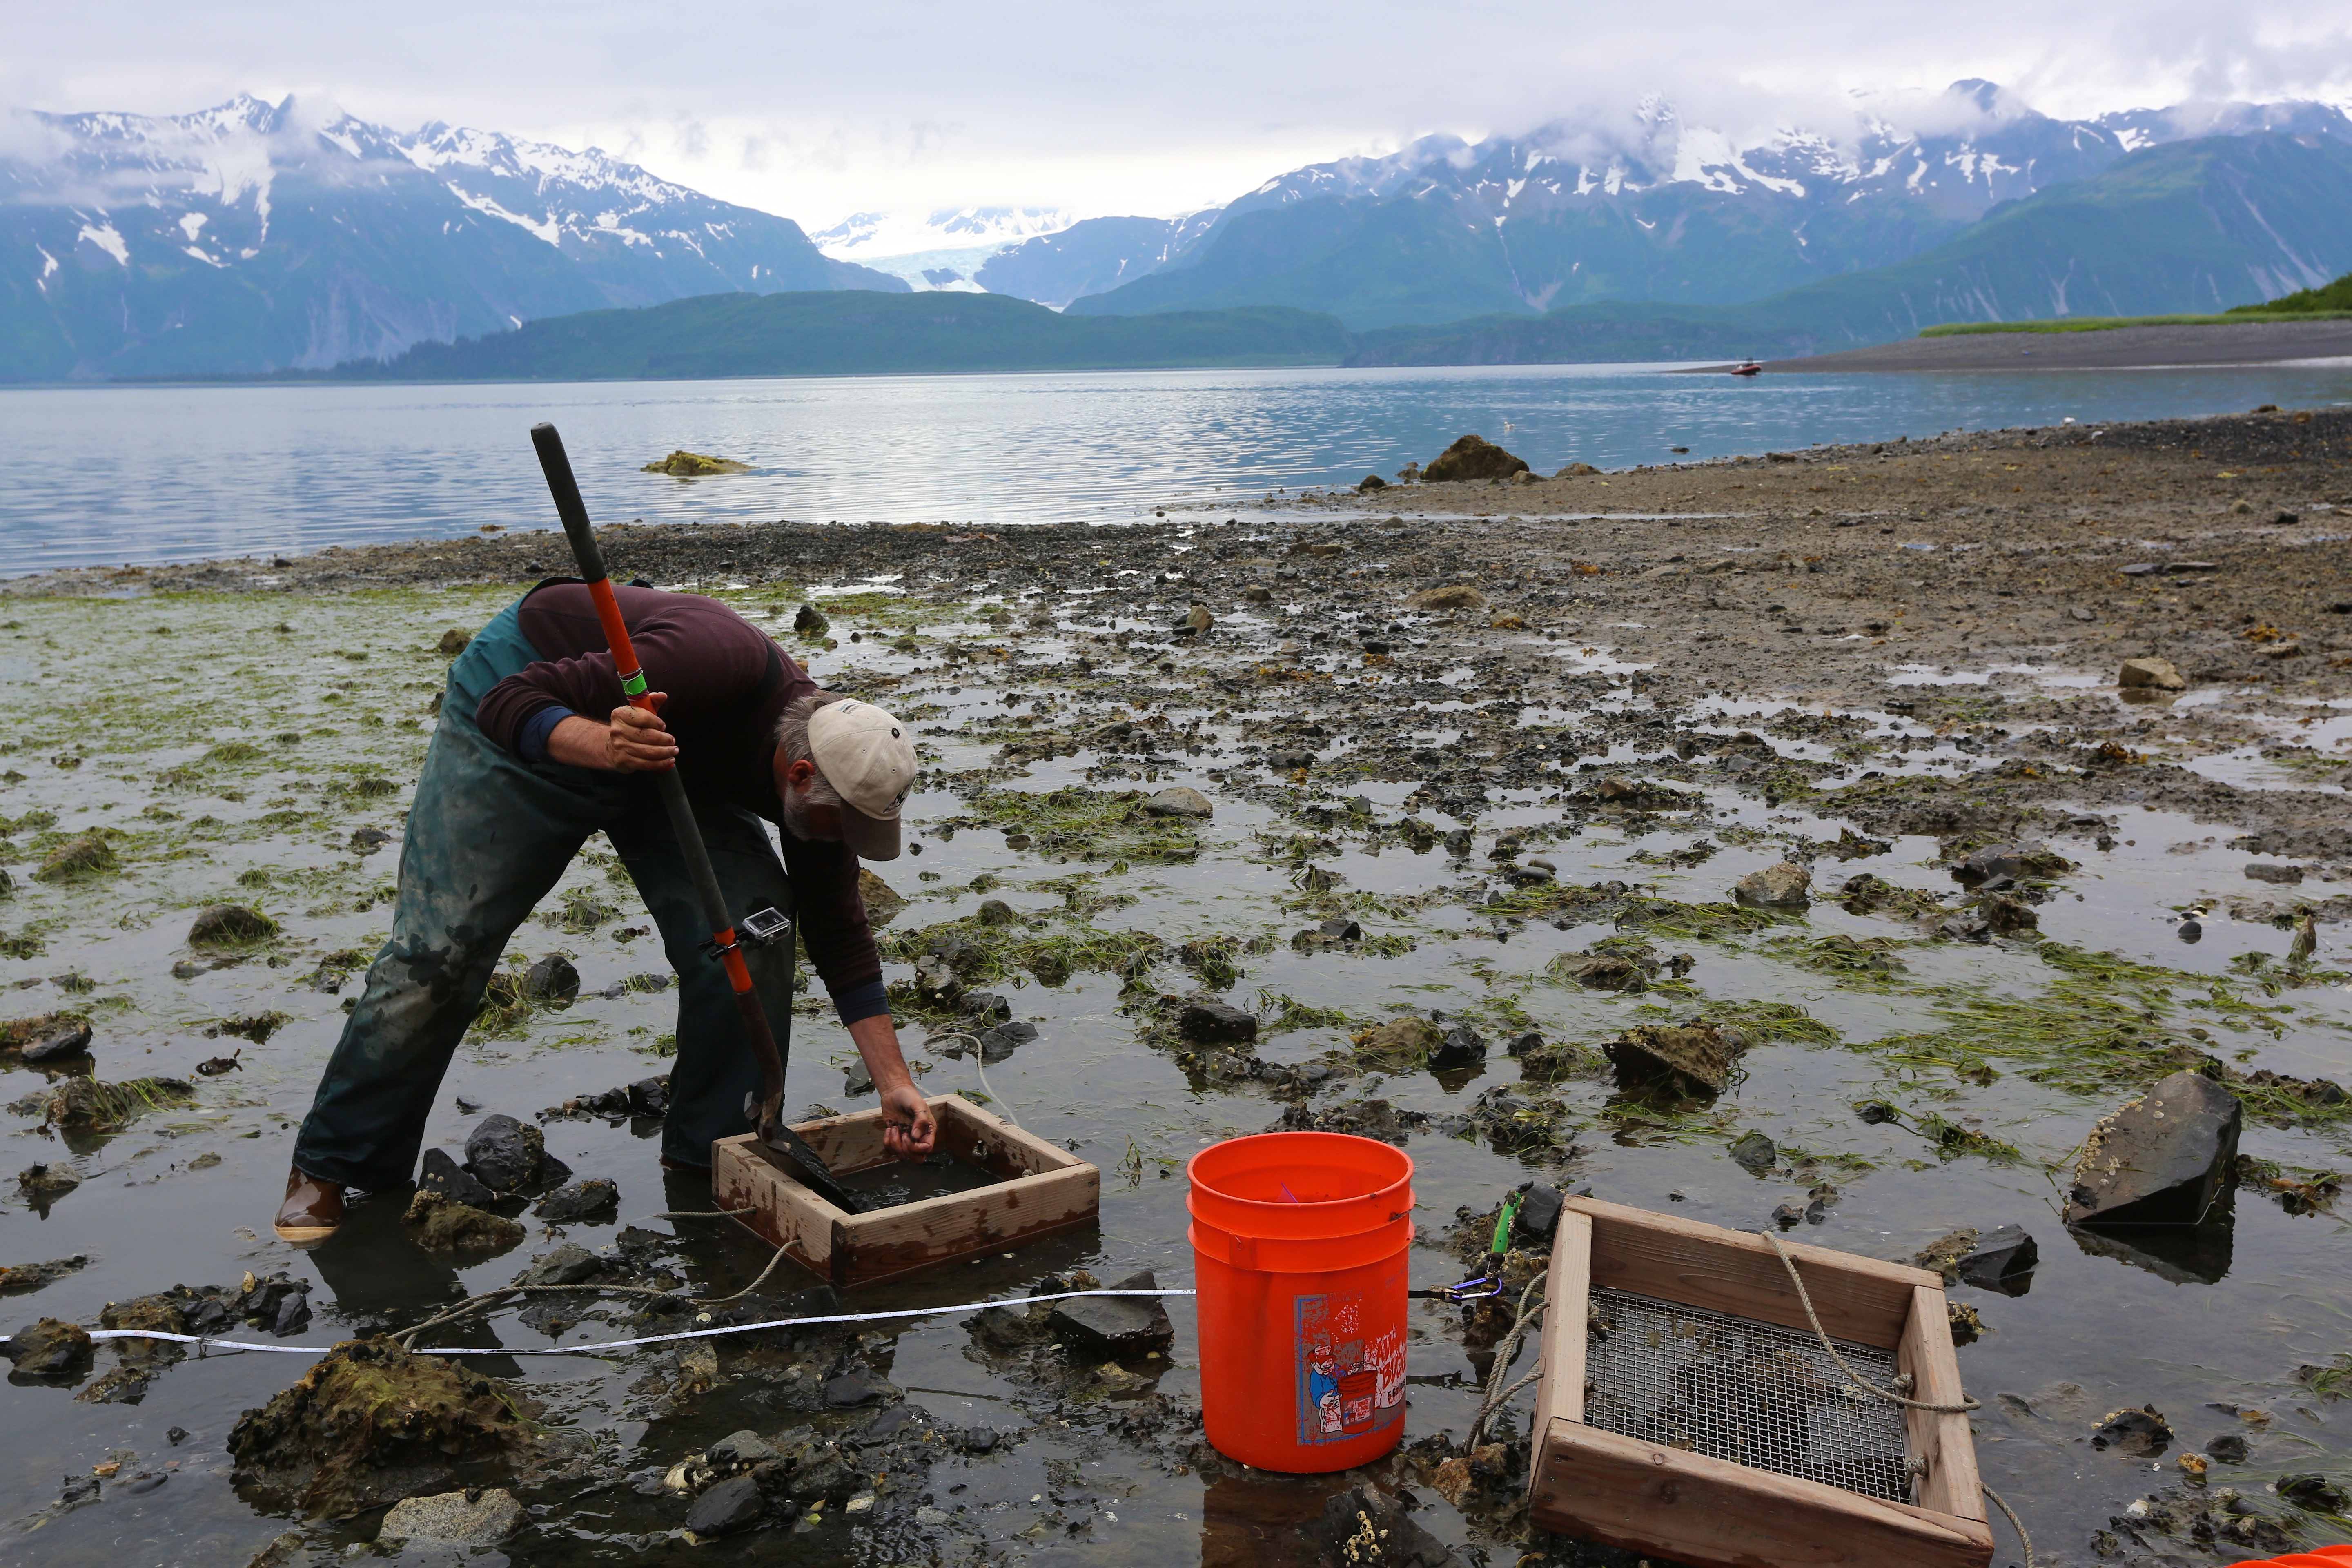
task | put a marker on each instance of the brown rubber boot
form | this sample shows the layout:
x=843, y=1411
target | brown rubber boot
x=312, y=1208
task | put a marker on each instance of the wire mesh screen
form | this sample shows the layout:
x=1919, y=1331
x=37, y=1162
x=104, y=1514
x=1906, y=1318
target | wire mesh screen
x=1754, y=1394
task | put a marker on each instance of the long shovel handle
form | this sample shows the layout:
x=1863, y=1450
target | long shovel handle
x=574, y=514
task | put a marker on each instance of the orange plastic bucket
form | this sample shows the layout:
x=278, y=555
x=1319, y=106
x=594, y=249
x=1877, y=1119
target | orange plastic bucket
x=2325, y=1557
x=1298, y=1245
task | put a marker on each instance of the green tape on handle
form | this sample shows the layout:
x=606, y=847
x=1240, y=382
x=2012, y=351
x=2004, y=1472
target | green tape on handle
x=635, y=686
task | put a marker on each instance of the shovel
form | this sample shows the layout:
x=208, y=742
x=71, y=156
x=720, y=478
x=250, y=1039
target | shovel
x=763, y=1111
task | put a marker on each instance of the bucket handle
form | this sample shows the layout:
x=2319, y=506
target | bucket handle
x=1241, y=1251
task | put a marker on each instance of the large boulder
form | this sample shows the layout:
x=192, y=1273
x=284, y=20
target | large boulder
x=507, y=1155
x=1693, y=1059
x=1473, y=458
x=372, y=1422
x=2163, y=1159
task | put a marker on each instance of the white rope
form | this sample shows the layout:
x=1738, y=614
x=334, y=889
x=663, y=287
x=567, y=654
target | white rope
x=205, y=1344
x=1005, y=1107
x=1965, y=1404
x=1530, y=1308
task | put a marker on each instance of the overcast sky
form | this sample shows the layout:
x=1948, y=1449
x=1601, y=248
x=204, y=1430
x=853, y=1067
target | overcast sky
x=816, y=112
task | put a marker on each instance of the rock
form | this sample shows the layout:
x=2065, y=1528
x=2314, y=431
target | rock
x=1116, y=1326
x=371, y=1423
x=1602, y=972
x=1461, y=1047
x=2005, y=916
x=46, y=1184
x=51, y=1351
x=740, y=1451
x=569, y=1264
x=729, y=1506
x=2229, y=1448
x=882, y=901
x=1363, y=1527
x=1371, y=482
x=1786, y=886
x=984, y=1007
x=1215, y=1024
x=84, y=1105
x=1473, y=458
x=595, y=1199
x=88, y=855
x=2153, y=673
x=453, y=642
x=1539, y=1216
x=2261, y=871
x=996, y=912
x=368, y=840
x=2142, y=1434
x=442, y=1225
x=473, y=1517
x=1693, y=1059
x=26, y=1278
x=2312, y=1492
x=1755, y=1154
x=2000, y=1260
x=999, y=1043
x=1402, y=1043
x=808, y=621
x=684, y=465
x=58, y=1036
x=1196, y=620
x=505, y=1154
x=852, y=1390
x=1255, y=595
x=230, y=925
x=1453, y=598
x=551, y=979
x=2162, y=1159
x=1995, y=866
x=1179, y=801
x=440, y=1173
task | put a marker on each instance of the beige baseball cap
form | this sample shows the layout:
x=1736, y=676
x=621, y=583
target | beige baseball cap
x=866, y=756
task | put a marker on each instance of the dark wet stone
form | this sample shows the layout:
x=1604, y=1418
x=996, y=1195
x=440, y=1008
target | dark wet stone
x=229, y=925
x=995, y=913
x=1877, y=1112
x=1471, y=458
x=2001, y=1260
x=650, y=1096
x=594, y=1199
x=60, y=1038
x=1001, y=1042
x=740, y=1451
x=2312, y=1492
x=984, y=1006
x=2162, y=1159
x=440, y=1173
x=1996, y=866
x=26, y=1278
x=1539, y=1216
x=1115, y=1326
x=505, y=1154
x=551, y=979
x=2229, y=1448
x=444, y=1224
x=1755, y=1154
x=731, y=1506
x=1365, y=1525
x=293, y=1314
x=1215, y=1024
x=1179, y=801
x=2141, y=1433
x=368, y=840
x=51, y=1351
x=851, y=1390
x=569, y=1264
x=1462, y=1046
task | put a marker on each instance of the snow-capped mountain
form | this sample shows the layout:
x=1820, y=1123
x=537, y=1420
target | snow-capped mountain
x=942, y=249
x=1652, y=208
x=255, y=236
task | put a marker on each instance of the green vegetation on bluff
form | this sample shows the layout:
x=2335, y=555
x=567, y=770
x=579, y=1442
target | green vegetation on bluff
x=859, y=332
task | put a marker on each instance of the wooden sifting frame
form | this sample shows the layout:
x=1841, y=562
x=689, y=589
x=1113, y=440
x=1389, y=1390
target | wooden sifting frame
x=1040, y=1189
x=1712, y=1513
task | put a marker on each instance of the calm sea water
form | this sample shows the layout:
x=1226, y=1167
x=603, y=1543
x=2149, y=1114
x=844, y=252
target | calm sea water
x=118, y=474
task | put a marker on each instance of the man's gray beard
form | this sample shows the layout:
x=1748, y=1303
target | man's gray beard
x=796, y=816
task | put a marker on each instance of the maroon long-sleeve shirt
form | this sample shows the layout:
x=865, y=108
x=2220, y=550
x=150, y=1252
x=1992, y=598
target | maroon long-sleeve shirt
x=729, y=683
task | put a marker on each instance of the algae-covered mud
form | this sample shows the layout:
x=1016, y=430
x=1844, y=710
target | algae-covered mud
x=1777, y=849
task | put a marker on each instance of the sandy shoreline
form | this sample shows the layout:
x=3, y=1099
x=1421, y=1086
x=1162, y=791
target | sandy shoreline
x=2112, y=348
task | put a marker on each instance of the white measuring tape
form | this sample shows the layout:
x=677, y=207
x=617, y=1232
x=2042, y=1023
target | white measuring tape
x=206, y=1344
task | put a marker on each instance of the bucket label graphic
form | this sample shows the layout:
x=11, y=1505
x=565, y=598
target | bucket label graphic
x=1351, y=1381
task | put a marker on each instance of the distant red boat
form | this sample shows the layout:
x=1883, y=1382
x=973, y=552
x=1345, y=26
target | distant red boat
x=1749, y=368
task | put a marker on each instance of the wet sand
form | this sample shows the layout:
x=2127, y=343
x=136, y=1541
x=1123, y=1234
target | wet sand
x=2109, y=348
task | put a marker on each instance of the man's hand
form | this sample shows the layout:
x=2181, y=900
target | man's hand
x=908, y=1131
x=635, y=741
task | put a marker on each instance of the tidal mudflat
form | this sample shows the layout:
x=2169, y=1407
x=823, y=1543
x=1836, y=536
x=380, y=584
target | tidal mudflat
x=1484, y=768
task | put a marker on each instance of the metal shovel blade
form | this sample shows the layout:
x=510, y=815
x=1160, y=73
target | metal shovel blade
x=811, y=1169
